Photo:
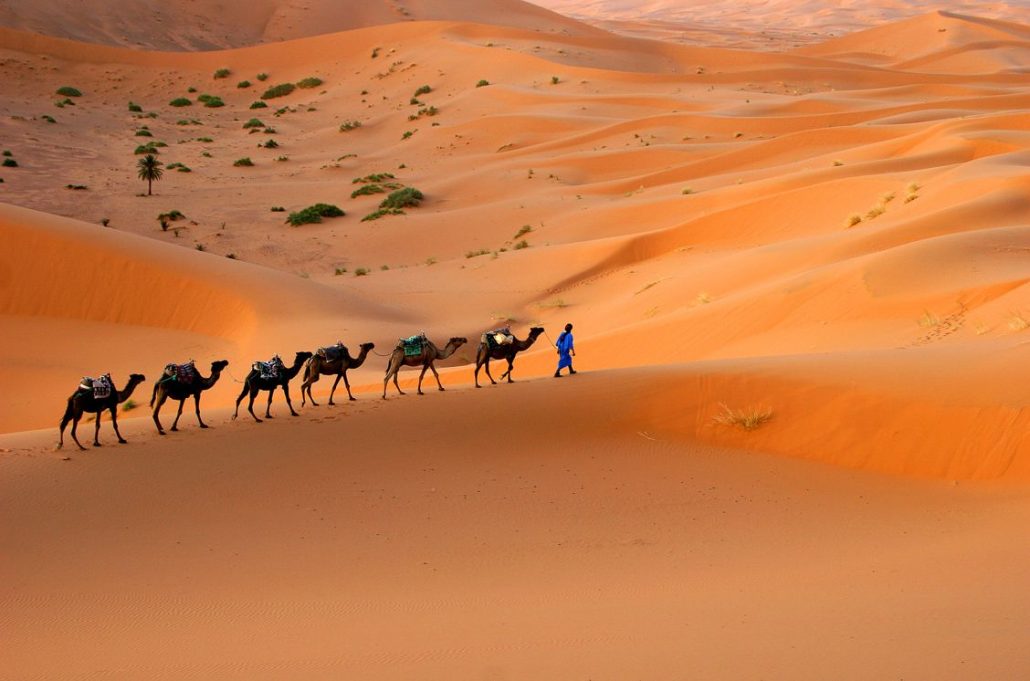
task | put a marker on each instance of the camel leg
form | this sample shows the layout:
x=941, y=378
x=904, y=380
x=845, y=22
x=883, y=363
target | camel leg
x=175, y=423
x=420, y=377
x=486, y=365
x=75, y=427
x=268, y=409
x=157, y=412
x=114, y=422
x=397, y=383
x=250, y=404
x=64, y=424
x=511, y=365
x=286, y=392
x=305, y=387
x=246, y=389
x=333, y=390
x=196, y=404
x=346, y=384
x=96, y=429
x=438, y=383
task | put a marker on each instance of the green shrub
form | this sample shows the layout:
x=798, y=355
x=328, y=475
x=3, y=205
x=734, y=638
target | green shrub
x=313, y=214
x=262, y=77
x=7, y=152
x=191, y=89
x=426, y=111
x=278, y=209
x=68, y=91
x=143, y=132
x=48, y=118
x=280, y=90
x=409, y=197
x=10, y=163
x=554, y=80
x=361, y=271
x=407, y=134
x=171, y=216
x=424, y=90
x=184, y=169
x=375, y=177
x=205, y=140
x=524, y=229
x=340, y=270
x=241, y=162
x=135, y=107
x=349, y=125
x=474, y=254
x=282, y=158
x=180, y=101
x=521, y=244
x=211, y=101
x=254, y=123
x=148, y=148
x=243, y=84
x=258, y=105
x=270, y=144
x=366, y=190
x=309, y=82
x=222, y=73
x=375, y=215
x=269, y=131
x=188, y=121
x=482, y=83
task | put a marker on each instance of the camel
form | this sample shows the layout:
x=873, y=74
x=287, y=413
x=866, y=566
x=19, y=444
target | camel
x=171, y=388
x=82, y=401
x=318, y=365
x=484, y=354
x=430, y=353
x=254, y=383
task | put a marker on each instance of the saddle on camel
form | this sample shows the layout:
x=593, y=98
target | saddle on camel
x=413, y=345
x=269, y=370
x=100, y=387
x=497, y=337
x=180, y=373
x=332, y=353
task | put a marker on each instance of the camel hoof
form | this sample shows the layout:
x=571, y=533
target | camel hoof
x=123, y=442
x=440, y=389
x=202, y=425
x=81, y=448
x=161, y=432
x=97, y=444
x=174, y=429
x=478, y=386
x=353, y=399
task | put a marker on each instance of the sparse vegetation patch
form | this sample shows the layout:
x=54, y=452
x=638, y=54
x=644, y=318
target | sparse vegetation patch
x=68, y=91
x=314, y=214
x=280, y=90
x=309, y=82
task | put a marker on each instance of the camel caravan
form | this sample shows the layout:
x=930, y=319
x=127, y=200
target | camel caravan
x=180, y=382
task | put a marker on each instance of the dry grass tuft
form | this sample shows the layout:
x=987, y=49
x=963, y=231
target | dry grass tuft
x=703, y=298
x=929, y=320
x=748, y=418
x=854, y=219
x=1017, y=322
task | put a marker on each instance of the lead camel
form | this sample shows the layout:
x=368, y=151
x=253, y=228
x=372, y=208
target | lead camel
x=508, y=351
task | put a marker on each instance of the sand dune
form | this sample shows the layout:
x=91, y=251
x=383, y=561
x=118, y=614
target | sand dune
x=801, y=298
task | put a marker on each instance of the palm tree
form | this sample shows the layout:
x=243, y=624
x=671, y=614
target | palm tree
x=149, y=170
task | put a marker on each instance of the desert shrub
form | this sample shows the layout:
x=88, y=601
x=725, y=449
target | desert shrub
x=361, y=271
x=148, y=148
x=854, y=219
x=375, y=177
x=523, y=230
x=211, y=101
x=277, y=209
x=313, y=214
x=282, y=158
x=78, y=187
x=180, y=101
x=243, y=84
x=184, y=169
x=482, y=83
x=135, y=107
x=188, y=121
x=349, y=125
x=375, y=215
x=424, y=90
x=262, y=77
x=68, y=91
x=554, y=80
x=63, y=103
x=253, y=123
x=409, y=197
x=143, y=132
x=205, y=140
x=258, y=105
x=407, y=134
x=269, y=131
x=521, y=244
x=340, y=270
x=367, y=190
x=129, y=405
x=425, y=111
x=10, y=163
x=200, y=247
x=474, y=254
x=222, y=73
x=191, y=89
x=242, y=162
x=309, y=82
x=270, y=144
x=172, y=215
x=7, y=152
x=48, y=118
x=748, y=418
x=280, y=90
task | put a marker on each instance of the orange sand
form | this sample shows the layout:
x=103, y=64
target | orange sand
x=689, y=208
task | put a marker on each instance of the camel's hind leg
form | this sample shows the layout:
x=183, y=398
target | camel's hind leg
x=250, y=404
x=246, y=389
x=511, y=365
x=160, y=400
x=68, y=415
x=289, y=403
x=346, y=384
x=309, y=378
x=268, y=408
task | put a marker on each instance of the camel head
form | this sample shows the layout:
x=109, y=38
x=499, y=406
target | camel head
x=366, y=347
x=536, y=331
x=219, y=365
x=136, y=378
x=302, y=357
x=457, y=342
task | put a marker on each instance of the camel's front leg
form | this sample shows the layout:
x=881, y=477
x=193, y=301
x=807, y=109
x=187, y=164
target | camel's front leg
x=346, y=384
x=286, y=392
x=333, y=390
x=114, y=422
x=96, y=429
x=175, y=423
x=511, y=365
x=196, y=404
x=268, y=408
x=438, y=383
x=486, y=365
x=421, y=376
x=305, y=387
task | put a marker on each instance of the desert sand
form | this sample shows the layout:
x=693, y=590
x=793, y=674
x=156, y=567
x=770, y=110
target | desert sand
x=794, y=244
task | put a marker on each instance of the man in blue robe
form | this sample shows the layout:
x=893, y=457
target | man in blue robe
x=566, y=351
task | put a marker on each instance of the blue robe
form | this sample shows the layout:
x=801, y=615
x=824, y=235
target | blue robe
x=565, y=350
